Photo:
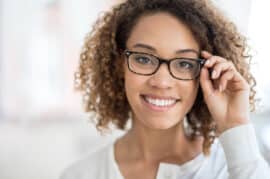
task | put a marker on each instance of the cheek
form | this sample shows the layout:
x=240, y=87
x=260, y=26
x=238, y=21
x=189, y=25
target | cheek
x=133, y=83
x=190, y=93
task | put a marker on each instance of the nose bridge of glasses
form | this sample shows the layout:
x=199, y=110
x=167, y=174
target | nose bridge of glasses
x=166, y=65
x=162, y=61
x=162, y=77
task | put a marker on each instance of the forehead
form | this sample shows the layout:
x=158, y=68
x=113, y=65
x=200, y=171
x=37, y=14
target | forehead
x=162, y=31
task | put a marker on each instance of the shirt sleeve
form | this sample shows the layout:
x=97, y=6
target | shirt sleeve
x=242, y=154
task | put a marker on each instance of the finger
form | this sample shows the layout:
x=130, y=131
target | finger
x=238, y=81
x=210, y=62
x=206, y=82
x=227, y=76
x=209, y=57
x=220, y=68
x=206, y=54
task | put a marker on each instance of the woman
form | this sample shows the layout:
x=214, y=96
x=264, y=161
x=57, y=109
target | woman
x=178, y=70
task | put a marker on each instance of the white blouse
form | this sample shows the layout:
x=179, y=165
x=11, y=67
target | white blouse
x=234, y=155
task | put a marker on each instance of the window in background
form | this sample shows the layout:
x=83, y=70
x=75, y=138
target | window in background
x=41, y=45
x=259, y=39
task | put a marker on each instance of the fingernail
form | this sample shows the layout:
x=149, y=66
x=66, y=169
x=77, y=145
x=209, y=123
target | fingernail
x=207, y=62
x=204, y=51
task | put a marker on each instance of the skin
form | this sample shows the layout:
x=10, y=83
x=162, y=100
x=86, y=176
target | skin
x=158, y=136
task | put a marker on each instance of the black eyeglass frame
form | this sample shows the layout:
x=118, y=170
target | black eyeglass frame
x=200, y=61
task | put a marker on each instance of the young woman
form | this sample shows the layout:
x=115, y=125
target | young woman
x=178, y=70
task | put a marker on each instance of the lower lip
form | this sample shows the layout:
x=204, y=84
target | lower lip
x=157, y=108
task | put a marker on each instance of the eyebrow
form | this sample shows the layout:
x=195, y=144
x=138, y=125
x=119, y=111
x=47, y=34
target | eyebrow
x=145, y=46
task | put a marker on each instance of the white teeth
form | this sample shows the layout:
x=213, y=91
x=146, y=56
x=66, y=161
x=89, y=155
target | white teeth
x=160, y=102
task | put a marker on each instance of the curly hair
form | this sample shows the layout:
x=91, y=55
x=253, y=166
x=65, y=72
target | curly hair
x=100, y=74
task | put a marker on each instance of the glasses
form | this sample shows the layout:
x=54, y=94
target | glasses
x=147, y=64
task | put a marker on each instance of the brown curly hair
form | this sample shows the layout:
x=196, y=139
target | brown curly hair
x=100, y=73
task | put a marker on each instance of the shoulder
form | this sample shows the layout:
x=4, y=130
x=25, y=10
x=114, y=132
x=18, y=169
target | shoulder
x=90, y=166
x=217, y=155
x=216, y=164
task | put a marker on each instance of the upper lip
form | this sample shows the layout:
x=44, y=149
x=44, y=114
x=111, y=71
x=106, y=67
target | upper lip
x=160, y=97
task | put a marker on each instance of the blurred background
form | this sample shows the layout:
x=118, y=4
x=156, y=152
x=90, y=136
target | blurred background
x=43, y=128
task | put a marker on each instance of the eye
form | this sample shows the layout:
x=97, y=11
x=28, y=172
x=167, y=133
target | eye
x=185, y=65
x=142, y=59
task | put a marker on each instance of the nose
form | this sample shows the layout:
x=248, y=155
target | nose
x=162, y=78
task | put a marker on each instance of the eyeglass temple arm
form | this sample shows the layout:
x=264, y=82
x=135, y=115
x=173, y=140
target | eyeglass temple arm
x=202, y=61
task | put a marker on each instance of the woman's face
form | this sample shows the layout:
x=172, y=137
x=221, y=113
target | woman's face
x=160, y=101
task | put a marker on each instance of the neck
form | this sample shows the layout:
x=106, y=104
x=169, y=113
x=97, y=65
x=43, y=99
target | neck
x=161, y=145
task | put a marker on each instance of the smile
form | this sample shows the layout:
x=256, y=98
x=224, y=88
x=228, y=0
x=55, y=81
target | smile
x=159, y=103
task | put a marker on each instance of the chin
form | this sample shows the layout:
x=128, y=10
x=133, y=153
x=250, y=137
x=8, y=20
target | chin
x=160, y=123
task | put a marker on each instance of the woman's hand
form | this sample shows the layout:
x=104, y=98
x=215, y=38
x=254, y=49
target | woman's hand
x=226, y=92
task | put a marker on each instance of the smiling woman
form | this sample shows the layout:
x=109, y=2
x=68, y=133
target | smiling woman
x=146, y=93
x=178, y=71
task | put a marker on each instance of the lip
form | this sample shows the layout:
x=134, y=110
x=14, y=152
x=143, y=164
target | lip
x=158, y=108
